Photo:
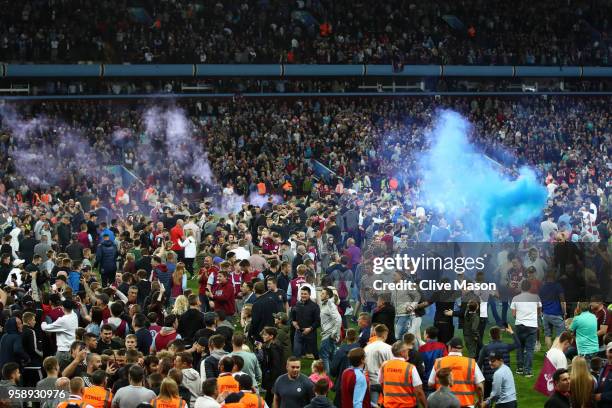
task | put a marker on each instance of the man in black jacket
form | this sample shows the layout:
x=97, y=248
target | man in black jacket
x=11, y=343
x=75, y=249
x=603, y=394
x=306, y=319
x=106, y=259
x=191, y=321
x=26, y=247
x=5, y=267
x=560, y=398
x=32, y=344
x=64, y=232
x=262, y=312
x=143, y=335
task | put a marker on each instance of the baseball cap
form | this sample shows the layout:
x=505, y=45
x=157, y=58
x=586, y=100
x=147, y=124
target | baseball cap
x=609, y=346
x=456, y=342
x=495, y=356
x=281, y=316
x=18, y=262
x=203, y=341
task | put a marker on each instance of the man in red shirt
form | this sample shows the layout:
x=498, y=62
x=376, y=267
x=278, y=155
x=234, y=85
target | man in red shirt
x=604, y=317
x=222, y=295
x=206, y=270
x=355, y=391
x=176, y=235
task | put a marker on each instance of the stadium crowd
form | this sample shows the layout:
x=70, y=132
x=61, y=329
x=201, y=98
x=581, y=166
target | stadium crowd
x=574, y=32
x=154, y=294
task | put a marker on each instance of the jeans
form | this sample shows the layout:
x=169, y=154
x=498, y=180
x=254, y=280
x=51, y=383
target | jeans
x=107, y=277
x=326, y=351
x=63, y=357
x=524, y=354
x=374, y=397
x=492, y=303
x=304, y=344
x=415, y=328
x=553, y=322
x=204, y=307
x=402, y=326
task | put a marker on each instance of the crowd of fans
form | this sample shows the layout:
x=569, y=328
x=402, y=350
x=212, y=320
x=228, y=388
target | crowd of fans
x=153, y=294
x=573, y=32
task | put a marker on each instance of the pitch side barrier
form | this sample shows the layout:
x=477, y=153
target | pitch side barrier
x=293, y=71
x=172, y=96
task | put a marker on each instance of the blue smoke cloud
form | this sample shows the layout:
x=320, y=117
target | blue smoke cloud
x=462, y=183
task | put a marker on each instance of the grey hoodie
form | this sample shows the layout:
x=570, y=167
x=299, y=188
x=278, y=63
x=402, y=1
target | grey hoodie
x=320, y=402
x=218, y=355
x=8, y=385
x=191, y=381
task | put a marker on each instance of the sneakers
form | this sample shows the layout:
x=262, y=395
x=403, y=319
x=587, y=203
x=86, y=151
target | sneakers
x=538, y=346
x=519, y=371
x=309, y=356
x=529, y=375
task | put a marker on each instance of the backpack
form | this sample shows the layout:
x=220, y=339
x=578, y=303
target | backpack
x=342, y=288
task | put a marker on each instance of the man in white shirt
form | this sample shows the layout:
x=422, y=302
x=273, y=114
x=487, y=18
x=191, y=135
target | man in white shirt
x=209, y=400
x=548, y=227
x=533, y=259
x=376, y=353
x=64, y=328
x=526, y=307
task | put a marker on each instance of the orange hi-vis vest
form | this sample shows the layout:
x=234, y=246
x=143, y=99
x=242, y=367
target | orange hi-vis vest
x=226, y=382
x=463, y=373
x=251, y=400
x=78, y=402
x=97, y=397
x=238, y=404
x=261, y=188
x=397, y=388
x=168, y=403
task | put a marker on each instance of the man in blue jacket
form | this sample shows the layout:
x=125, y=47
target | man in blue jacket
x=106, y=260
x=498, y=347
x=604, y=381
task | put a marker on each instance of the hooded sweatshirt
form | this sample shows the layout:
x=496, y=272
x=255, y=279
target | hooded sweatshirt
x=106, y=257
x=209, y=367
x=166, y=336
x=320, y=402
x=11, y=345
x=191, y=380
x=8, y=385
x=164, y=276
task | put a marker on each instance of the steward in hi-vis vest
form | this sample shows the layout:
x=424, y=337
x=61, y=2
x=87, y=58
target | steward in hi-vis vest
x=400, y=382
x=467, y=378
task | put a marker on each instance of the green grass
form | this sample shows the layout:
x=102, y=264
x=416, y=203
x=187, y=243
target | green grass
x=526, y=395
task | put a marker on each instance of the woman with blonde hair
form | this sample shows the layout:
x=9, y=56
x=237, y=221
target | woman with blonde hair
x=168, y=395
x=582, y=384
x=181, y=305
